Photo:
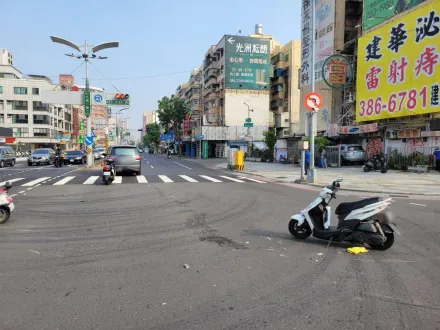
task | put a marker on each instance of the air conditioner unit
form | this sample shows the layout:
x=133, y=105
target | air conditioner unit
x=391, y=135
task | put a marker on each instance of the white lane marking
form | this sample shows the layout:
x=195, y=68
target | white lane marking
x=148, y=162
x=91, y=180
x=189, y=168
x=64, y=181
x=164, y=178
x=232, y=179
x=32, y=183
x=209, y=178
x=243, y=177
x=151, y=166
x=13, y=195
x=20, y=192
x=187, y=178
x=118, y=179
x=12, y=180
x=418, y=204
x=141, y=179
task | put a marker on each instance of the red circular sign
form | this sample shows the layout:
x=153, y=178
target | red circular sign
x=373, y=146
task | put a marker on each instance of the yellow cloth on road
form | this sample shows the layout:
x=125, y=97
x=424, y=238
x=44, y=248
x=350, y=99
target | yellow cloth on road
x=357, y=250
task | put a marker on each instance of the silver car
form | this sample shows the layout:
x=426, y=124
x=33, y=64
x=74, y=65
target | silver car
x=352, y=153
x=42, y=156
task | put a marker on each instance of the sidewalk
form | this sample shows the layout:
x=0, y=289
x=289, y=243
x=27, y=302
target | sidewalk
x=393, y=182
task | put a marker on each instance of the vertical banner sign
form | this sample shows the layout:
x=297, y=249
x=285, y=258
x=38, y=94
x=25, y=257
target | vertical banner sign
x=247, y=63
x=87, y=104
x=325, y=34
x=205, y=149
x=398, y=67
x=306, y=42
x=378, y=11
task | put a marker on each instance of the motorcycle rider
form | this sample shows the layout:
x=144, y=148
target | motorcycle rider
x=379, y=157
x=58, y=154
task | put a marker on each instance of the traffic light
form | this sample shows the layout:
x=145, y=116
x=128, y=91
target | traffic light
x=122, y=96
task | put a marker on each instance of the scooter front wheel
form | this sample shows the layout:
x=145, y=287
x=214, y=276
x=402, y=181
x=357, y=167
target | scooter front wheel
x=299, y=231
x=5, y=214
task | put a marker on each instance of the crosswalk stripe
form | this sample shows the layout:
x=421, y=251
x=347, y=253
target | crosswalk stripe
x=33, y=183
x=12, y=180
x=242, y=177
x=118, y=179
x=187, y=178
x=141, y=179
x=91, y=180
x=164, y=178
x=232, y=179
x=209, y=178
x=64, y=181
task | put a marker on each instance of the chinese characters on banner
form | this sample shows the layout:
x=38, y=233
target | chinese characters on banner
x=186, y=129
x=247, y=62
x=306, y=42
x=358, y=129
x=398, y=67
x=408, y=133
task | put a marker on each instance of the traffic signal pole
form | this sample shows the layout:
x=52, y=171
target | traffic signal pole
x=87, y=112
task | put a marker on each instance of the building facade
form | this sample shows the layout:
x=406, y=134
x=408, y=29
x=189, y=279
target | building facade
x=34, y=124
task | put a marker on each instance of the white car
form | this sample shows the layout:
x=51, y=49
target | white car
x=97, y=154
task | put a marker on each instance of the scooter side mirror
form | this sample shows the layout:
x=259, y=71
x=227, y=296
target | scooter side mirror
x=8, y=185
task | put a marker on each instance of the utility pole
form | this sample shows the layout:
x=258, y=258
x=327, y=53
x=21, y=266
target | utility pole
x=312, y=170
x=86, y=56
x=201, y=110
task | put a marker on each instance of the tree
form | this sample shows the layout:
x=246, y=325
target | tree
x=171, y=113
x=270, y=139
x=320, y=142
x=152, y=134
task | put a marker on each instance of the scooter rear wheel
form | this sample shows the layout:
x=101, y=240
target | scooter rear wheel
x=5, y=214
x=386, y=245
x=300, y=232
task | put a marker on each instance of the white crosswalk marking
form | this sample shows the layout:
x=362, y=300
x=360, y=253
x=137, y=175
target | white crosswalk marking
x=243, y=177
x=91, y=180
x=164, y=178
x=187, y=178
x=11, y=181
x=232, y=179
x=64, y=181
x=209, y=178
x=141, y=179
x=33, y=183
x=118, y=179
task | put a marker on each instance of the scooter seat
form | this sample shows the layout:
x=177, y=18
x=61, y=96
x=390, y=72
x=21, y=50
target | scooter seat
x=345, y=208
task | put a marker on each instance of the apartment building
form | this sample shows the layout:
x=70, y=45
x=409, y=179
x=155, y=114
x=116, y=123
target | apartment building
x=34, y=124
x=284, y=92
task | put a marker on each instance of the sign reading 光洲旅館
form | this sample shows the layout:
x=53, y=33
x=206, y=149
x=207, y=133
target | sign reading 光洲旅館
x=378, y=11
x=247, y=64
x=398, y=67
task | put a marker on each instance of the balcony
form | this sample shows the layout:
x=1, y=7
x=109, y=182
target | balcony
x=278, y=58
x=19, y=105
x=210, y=73
x=277, y=89
x=275, y=104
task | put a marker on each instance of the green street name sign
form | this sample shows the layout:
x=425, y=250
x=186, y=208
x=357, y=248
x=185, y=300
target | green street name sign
x=118, y=102
x=248, y=125
x=87, y=104
x=248, y=120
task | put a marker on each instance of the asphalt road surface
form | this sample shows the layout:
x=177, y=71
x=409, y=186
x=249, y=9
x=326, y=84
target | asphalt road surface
x=112, y=257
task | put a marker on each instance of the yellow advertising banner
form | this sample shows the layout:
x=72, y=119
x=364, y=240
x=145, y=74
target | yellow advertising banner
x=398, y=67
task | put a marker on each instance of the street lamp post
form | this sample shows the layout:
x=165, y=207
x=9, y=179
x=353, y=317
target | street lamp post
x=121, y=130
x=116, y=123
x=249, y=116
x=86, y=56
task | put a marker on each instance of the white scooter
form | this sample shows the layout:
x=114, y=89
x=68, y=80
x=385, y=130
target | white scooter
x=6, y=203
x=365, y=221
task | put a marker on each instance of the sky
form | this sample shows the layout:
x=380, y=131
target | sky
x=160, y=42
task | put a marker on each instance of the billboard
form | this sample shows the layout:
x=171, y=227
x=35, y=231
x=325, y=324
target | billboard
x=378, y=11
x=247, y=62
x=398, y=67
x=325, y=36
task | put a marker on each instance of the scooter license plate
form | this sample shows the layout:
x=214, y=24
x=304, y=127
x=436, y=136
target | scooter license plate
x=72, y=160
x=12, y=207
x=106, y=173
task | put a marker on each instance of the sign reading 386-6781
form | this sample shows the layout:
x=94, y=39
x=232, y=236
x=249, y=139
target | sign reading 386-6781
x=398, y=67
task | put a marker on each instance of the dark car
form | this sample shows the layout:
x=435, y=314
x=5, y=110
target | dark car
x=75, y=157
x=42, y=156
x=126, y=159
x=151, y=151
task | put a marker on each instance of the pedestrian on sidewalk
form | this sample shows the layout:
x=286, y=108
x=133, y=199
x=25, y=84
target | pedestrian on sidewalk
x=307, y=161
x=324, y=158
x=437, y=159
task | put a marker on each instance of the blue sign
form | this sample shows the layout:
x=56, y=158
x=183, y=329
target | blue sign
x=167, y=136
x=93, y=133
x=200, y=137
x=98, y=98
x=58, y=137
x=353, y=130
x=88, y=140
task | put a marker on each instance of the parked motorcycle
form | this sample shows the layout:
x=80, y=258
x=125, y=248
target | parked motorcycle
x=376, y=164
x=108, y=171
x=6, y=203
x=365, y=221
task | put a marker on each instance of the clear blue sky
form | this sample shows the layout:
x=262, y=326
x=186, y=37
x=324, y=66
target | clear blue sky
x=156, y=38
